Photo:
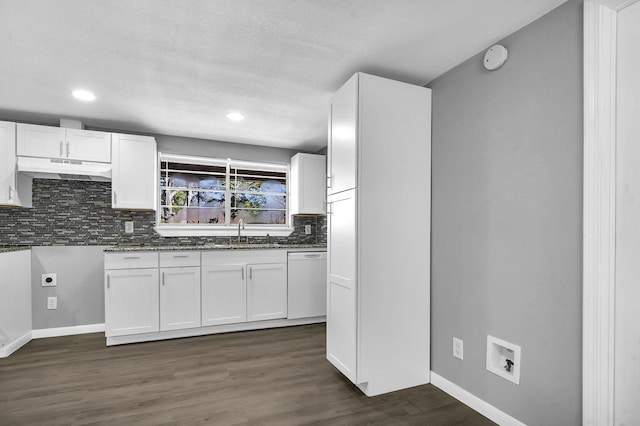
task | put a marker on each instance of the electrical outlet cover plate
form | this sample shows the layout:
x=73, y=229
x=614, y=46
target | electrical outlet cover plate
x=52, y=302
x=458, y=348
x=128, y=227
x=49, y=280
x=307, y=229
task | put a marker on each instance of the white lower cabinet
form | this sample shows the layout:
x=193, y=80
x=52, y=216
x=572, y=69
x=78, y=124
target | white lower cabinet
x=131, y=301
x=243, y=285
x=179, y=290
x=224, y=294
x=267, y=291
x=179, y=298
x=179, y=293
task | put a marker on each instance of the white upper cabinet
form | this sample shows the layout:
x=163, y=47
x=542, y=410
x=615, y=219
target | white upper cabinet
x=343, y=120
x=308, y=184
x=88, y=145
x=61, y=143
x=134, y=172
x=15, y=189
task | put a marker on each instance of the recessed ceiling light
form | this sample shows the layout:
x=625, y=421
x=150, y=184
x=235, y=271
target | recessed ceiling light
x=235, y=116
x=83, y=95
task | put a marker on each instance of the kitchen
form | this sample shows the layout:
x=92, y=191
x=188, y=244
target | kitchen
x=506, y=206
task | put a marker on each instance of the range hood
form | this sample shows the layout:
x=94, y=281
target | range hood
x=46, y=168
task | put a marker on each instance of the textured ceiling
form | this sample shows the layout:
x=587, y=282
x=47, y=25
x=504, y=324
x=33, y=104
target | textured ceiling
x=177, y=67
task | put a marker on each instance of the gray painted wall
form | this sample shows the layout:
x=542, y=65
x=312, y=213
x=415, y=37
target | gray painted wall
x=507, y=219
x=80, y=292
x=208, y=148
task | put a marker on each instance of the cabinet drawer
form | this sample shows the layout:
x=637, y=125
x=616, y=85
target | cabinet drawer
x=226, y=257
x=179, y=258
x=130, y=260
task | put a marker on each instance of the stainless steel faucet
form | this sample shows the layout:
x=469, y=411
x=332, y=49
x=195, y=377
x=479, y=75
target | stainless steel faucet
x=240, y=223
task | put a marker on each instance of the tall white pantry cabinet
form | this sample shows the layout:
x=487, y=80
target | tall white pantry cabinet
x=379, y=216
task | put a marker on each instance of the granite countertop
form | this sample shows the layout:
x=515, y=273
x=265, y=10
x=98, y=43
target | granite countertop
x=211, y=247
x=13, y=248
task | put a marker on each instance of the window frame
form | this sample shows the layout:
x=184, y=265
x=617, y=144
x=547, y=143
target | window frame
x=227, y=228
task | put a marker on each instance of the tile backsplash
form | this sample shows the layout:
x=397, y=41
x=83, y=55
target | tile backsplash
x=76, y=213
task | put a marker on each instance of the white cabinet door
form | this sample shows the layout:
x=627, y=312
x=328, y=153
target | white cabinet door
x=308, y=184
x=134, y=172
x=15, y=188
x=131, y=301
x=343, y=119
x=266, y=291
x=87, y=145
x=307, y=285
x=224, y=294
x=7, y=162
x=40, y=141
x=58, y=142
x=179, y=298
x=342, y=283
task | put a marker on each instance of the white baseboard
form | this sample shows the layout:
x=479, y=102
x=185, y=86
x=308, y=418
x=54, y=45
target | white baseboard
x=15, y=345
x=67, y=331
x=482, y=407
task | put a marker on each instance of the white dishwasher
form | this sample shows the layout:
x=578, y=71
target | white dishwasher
x=307, y=281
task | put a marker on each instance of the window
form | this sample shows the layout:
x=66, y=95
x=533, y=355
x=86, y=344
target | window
x=215, y=194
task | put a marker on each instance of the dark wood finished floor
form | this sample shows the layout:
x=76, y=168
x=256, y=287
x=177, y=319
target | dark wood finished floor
x=266, y=377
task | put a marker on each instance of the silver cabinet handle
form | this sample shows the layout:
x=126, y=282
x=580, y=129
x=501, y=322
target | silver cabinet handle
x=61, y=148
x=242, y=270
x=250, y=273
x=108, y=281
x=329, y=181
x=10, y=193
x=312, y=256
x=178, y=256
x=132, y=257
x=115, y=198
x=163, y=278
x=68, y=149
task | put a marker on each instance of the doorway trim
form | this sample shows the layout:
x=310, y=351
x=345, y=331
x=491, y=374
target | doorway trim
x=599, y=198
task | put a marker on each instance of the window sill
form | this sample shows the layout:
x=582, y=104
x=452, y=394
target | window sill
x=210, y=231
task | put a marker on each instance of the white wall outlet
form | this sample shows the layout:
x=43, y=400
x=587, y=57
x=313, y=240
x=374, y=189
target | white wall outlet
x=128, y=227
x=307, y=229
x=52, y=302
x=458, y=348
x=49, y=280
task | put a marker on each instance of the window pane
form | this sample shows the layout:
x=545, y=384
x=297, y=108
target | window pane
x=209, y=182
x=193, y=215
x=261, y=217
x=258, y=181
x=176, y=198
x=209, y=199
